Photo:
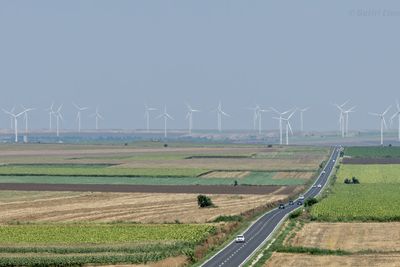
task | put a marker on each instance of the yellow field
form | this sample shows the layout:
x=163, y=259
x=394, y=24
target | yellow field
x=306, y=260
x=226, y=174
x=291, y=175
x=353, y=237
x=129, y=207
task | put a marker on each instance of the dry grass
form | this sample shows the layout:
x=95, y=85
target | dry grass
x=306, y=260
x=129, y=207
x=293, y=175
x=226, y=174
x=383, y=237
x=169, y=262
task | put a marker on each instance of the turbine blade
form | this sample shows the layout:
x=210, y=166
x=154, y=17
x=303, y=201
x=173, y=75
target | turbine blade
x=384, y=122
x=383, y=114
x=290, y=127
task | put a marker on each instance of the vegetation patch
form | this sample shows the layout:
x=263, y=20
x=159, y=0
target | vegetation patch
x=373, y=152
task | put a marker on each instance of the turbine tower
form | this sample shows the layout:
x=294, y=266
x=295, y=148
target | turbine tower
x=382, y=119
x=189, y=116
x=11, y=117
x=50, y=110
x=256, y=111
x=15, y=117
x=166, y=117
x=280, y=122
x=147, y=116
x=25, y=112
x=58, y=118
x=97, y=116
x=220, y=113
x=397, y=114
x=302, y=110
x=78, y=116
x=346, y=118
x=259, y=117
x=341, y=117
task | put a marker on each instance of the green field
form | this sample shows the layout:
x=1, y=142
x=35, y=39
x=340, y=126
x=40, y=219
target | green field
x=372, y=173
x=372, y=152
x=255, y=178
x=376, y=202
x=67, y=234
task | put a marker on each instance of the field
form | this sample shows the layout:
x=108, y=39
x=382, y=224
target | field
x=307, y=260
x=372, y=152
x=352, y=237
x=371, y=173
x=128, y=207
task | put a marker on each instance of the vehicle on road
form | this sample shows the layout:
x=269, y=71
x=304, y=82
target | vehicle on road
x=239, y=239
x=301, y=197
x=319, y=186
x=323, y=172
x=281, y=206
x=291, y=202
x=299, y=203
x=314, y=186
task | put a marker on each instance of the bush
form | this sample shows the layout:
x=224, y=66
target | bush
x=295, y=214
x=310, y=201
x=204, y=201
x=228, y=218
x=235, y=183
x=347, y=181
x=355, y=180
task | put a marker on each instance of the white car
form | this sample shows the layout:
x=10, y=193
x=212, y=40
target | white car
x=323, y=172
x=301, y=197
x=319, y=186
x=239, y=239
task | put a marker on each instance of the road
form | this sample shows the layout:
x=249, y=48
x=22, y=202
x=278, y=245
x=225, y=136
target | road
x=236, y=254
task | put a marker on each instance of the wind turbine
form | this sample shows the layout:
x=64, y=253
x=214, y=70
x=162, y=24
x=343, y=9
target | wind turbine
x=147, y=116
x=341, y=116
x=58, y=118
x=220, y=112
x=25, y=112
x=97, y=116
x=189, y=116
x=15, y=117
x=166, y=117
x=280, y=122
x=394, y=116
x=259, y=116
x=302, y=110
x=11, y=117
x=383, y=122
x=346, y=117
x=78, y=116
x=256, y=111
x=51, y=113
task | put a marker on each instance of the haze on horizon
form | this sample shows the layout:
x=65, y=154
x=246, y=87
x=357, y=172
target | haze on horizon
x=120, y=54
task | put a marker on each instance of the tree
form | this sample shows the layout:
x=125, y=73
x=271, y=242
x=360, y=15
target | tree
x=204, y=201
x=235, y=183
x=310, y=201
x=355, y=180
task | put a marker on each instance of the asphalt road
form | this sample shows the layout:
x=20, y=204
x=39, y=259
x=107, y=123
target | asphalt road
x=236, y=254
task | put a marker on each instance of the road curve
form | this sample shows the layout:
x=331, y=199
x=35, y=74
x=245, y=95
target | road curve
x=237, y=254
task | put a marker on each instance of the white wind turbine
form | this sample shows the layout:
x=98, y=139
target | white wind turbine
x=78, y=116
x=302, y=110
x=97, y=116
x=25, y=112
x=397, y=114
x=189, y=116
x=280, y=122
x=59, y=117
x=15, y=117
x=382, y=119
x=220, y=112
x=341, y=117
x=259, y=116
x=288, y=126
x=147, y=116
x=11, y=117
x=346, y=118
x=256, y=111
x=166, y=117
x=50, y=110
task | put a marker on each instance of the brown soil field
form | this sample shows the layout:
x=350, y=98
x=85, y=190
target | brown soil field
x=299, y=175
x=127, y=207
x=226, y=174
x=371, y=161
x=306, y=260
x=169, y=262
x=383, y=237
x=194, y=189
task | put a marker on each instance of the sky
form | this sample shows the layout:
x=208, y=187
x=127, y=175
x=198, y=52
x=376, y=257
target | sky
x=119, y=55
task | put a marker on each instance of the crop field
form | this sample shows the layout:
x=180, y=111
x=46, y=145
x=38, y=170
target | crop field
x=307, y=260
x=371, y=173
x=27, y=207
x=372, y=152
x=352, y=237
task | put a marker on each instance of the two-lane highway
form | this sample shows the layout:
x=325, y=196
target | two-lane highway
x=236, y=254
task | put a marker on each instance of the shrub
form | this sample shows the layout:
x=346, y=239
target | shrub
x=355, y=180
x=228, y=218
x=204, y=201
x=347, y=181
x=310, y=201
x=235, y=183
x=295, y=214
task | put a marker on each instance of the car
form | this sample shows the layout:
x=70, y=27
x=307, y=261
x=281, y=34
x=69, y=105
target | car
x=291, y=202
x=281, y=206
x=333, y=160
x=319, y=186
x=301, y=197
x=239, y=239
x=323, y=172
x=314, y=186
x=299, y=203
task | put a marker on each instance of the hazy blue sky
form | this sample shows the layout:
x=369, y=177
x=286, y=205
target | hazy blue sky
x=120, y=54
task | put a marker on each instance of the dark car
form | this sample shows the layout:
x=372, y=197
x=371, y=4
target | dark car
x=291, y=202
x=281, y=206
x=299, y=203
